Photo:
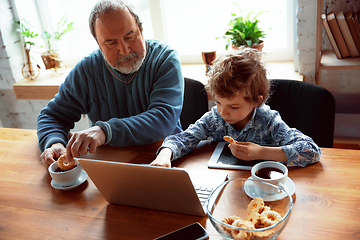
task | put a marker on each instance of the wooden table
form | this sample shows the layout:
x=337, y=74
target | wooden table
x=326, y=201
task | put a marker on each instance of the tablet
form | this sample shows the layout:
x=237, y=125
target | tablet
x=223, y=158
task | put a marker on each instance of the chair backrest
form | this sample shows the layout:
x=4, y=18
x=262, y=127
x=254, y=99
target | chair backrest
x=307, y=107
x=195, y=102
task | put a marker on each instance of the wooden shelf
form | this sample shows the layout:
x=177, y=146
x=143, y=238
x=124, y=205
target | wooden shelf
x=44, y=87
x=330, y=61
x=326, y=59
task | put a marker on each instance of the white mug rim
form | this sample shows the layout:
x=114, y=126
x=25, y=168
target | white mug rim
x=52, y=169
x=274, y=164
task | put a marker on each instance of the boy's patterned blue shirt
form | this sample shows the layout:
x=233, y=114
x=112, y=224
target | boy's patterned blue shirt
x=264, y=128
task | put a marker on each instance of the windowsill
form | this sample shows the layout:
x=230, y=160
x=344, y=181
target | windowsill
x=43, y=87
x=276, y=70
x=48, y=82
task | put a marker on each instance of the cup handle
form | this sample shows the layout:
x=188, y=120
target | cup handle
x=280, y=184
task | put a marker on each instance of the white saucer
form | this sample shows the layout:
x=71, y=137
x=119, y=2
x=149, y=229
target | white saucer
x=253, y=192
x=82, y=177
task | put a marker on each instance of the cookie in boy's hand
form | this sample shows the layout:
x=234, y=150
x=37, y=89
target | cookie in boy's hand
x=229, y=139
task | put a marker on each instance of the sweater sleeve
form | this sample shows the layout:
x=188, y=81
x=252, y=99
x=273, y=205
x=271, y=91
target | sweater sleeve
x=60, y=114
x=300, y=149
x=184, y=142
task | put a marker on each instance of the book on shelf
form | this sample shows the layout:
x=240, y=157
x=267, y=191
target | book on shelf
x=330, y=36
x=351, y=22
x=344, y=28
x=356, y=21
x=339, y=39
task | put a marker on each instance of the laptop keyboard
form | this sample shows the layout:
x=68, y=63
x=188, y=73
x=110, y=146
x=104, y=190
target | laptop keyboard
x=203, y=193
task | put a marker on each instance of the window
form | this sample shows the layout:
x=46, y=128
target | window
x=191, y=26
x=45, y=15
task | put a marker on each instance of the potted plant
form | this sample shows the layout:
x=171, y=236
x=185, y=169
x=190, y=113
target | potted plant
x=62, y=28
x=50, y=57
x=244, y=31
x=25, y=29
x=30, y=69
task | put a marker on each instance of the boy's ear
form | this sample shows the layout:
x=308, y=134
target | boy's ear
x=259, y=101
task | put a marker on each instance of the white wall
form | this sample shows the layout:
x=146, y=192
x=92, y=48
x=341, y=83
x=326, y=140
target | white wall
x=336, y=81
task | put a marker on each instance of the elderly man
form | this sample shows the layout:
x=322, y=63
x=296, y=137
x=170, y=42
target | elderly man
x=130, y=88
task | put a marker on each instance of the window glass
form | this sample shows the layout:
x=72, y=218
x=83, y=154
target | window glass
x=193, y=25
x=78, y=42
x=27, y=10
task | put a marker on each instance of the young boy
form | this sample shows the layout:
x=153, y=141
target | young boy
x=238, y=84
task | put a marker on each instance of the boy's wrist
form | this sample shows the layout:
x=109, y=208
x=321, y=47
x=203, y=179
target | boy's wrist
x=166, y=152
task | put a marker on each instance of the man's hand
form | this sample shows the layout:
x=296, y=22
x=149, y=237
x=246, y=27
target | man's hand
x=85, y=141
x=51, y=154
x=163, y=159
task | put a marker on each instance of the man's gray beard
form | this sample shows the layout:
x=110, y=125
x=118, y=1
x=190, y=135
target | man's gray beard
x=129, y=69
x=132, y=68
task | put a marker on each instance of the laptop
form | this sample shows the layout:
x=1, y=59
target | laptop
x=151, y=187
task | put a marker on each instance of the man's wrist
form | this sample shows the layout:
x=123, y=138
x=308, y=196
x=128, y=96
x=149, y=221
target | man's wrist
x=107, y=130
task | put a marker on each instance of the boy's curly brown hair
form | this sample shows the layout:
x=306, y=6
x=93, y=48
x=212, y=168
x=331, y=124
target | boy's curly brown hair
x=237, y=71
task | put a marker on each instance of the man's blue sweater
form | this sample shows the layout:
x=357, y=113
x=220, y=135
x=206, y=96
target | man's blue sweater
x=132, y=110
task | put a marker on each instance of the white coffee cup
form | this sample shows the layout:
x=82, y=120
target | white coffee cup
x=278, y=175
x=66, y=178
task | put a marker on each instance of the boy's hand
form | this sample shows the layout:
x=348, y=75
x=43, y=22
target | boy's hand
x=251, y=151
x=163, y=159
x=246, y=150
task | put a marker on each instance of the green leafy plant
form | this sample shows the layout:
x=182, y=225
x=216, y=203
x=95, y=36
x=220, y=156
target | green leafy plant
x=47, y=37
x=243, y=30
x=25, y=29
x=62, y=28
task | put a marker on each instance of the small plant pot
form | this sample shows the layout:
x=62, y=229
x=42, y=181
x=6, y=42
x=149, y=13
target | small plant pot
x=258, y=47
x=51, y=60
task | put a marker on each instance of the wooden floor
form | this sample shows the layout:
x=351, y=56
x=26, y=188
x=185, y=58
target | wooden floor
x=347, y=146
x=346, y=143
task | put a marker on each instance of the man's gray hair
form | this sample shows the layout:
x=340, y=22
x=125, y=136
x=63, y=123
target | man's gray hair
x=105, y=6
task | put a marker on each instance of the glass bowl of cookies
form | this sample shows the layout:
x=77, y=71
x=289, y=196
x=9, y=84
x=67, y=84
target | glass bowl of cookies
x=239, y=210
